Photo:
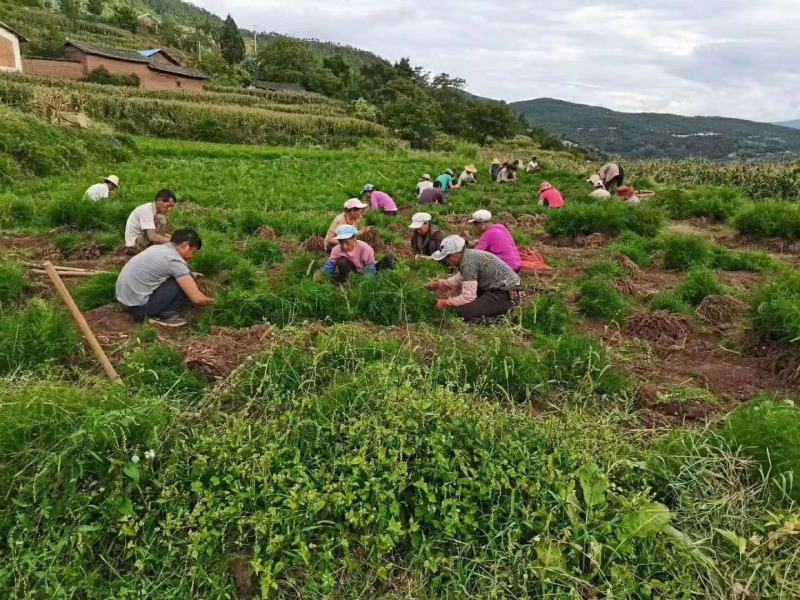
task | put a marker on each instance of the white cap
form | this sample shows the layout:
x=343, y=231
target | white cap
x=354, y=203
x=345, y=232
x=481, y=216
x=419, y=219
x=452, y=244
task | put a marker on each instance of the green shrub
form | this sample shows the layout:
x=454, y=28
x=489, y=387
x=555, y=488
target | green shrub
x=769, y=432
x=263, y=252
x=245, y=276
x=547, y=314
x=12, y=283
x=609, y=218
x=391, y=298
x=158, y=370
x=682, y=252
x=601, y=300
x=717, y=204
x=34, y=336
x=672, y=301
x=770, y=219
x=700, y=283
x=96, y=291
x=775, y=310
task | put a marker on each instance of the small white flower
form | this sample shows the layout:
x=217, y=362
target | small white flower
x=135, y=458
x=150, y=454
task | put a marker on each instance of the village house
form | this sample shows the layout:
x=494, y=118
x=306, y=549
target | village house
x=155, y=68
x=10, y=56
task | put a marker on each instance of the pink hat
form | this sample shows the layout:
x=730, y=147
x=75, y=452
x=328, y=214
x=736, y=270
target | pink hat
x=626, y=191
x=545, y=186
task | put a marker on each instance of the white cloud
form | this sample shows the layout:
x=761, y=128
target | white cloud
x=734, y=58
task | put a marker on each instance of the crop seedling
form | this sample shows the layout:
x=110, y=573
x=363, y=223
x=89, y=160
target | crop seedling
x=717, y=204
x=601, y=300
x=35, y=335
x=158, y=370
x=681, y=252
x=263, y=253
x=547, y=314
x=700, y=283
x=12, y=284
x=775, y=310
x=672, y=301
x=391, y=298
x=96, y=291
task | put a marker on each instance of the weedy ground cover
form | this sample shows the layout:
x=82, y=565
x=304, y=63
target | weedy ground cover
x=775, y=310
x=717, y=204
x=609, y=218
x=770, y=219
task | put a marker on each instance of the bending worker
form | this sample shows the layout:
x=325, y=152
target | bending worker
x=495, y=238
x=426, y=238
x=483, y=288
x=379, y=200
x=351, y=255
x=157, y=282
x=101, y=191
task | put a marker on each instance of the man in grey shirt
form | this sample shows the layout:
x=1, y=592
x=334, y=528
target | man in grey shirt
x=157, y=281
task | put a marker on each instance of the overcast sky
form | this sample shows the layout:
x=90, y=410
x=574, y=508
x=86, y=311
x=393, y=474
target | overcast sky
x=736, y=58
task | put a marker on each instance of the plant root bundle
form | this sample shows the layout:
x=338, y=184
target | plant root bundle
x=719, y=310
x=665, y=329
x=315, y=244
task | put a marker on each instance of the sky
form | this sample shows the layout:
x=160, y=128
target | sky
x=733, y=58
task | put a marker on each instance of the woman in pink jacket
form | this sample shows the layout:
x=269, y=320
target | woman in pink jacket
x=550, y=196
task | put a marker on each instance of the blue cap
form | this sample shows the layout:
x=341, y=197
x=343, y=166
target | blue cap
x=345, y=232
x=368, y=188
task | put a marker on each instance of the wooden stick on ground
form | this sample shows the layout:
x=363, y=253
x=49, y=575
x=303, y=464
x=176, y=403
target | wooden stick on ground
x=70, y=273
x=82, y=324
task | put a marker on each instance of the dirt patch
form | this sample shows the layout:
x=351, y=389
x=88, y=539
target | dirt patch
x=741, y=280
x=244, y=580
x=220, y=353
x=660, y=327
x=595, y=240
x=315, y=244
x=531, y=221
x=720, y=311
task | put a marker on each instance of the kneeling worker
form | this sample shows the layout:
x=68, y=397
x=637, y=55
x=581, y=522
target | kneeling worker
x=351, y=255
x=101, y=191
x=426, y=238
x=147, y=224
x=156, y=282
x=484, y=288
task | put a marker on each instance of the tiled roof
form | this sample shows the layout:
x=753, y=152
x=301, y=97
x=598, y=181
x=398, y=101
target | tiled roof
x=137, y=57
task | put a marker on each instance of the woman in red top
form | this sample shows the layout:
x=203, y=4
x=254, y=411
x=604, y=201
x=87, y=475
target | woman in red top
x=550, y=196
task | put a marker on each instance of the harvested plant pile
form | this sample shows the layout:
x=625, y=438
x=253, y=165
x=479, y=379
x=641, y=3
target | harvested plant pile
x=719, y=310
x=660, y=327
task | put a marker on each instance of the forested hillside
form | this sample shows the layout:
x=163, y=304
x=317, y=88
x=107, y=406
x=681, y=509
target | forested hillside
x=655, y=135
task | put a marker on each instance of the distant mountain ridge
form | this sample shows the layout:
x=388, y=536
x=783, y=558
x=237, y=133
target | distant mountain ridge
x=793, y=124
x=657, y=135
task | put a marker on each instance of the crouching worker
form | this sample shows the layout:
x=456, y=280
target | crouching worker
x=484, y=287
x=147, y=224
x=351, y=255
x=495, y=238
x=157, y=282
x=426, y=238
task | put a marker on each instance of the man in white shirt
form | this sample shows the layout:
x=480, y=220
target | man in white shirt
x=147, y=224
x=424, y=184
x=600, y=192
x=102, y=190
x=157, y=282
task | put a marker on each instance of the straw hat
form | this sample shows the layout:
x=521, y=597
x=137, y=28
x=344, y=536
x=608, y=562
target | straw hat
x=470, y=169
x=113, y=180
x=495, y=161
x=426, y=177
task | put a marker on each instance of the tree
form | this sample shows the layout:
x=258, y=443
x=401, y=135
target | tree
x=125, y=17
x=230, y=42
x=95, y=7
x=338, y=65
x=443, y=81
x=70, y=8
x=495, y=119
x=411, y=111
x=284, y=60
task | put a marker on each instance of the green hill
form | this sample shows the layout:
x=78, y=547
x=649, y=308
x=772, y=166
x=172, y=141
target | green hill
x=793, y=124
x=655, y=135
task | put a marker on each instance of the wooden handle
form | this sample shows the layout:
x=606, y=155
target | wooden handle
x=82, y=324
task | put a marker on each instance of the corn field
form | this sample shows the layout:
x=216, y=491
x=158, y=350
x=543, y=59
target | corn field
x=147, y=113
x=759, y=181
